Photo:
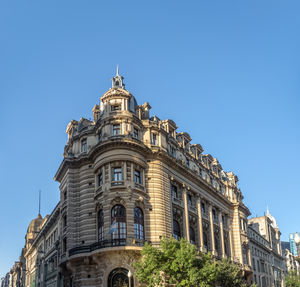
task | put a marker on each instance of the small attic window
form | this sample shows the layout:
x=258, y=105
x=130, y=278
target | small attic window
x=115, y=107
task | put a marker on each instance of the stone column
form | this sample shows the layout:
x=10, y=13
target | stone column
x=186, y=216
x=222, y=235
x=212, y=235
x=200, y=223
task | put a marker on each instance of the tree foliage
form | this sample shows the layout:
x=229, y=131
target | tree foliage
x=178, y=263
x=292, y=279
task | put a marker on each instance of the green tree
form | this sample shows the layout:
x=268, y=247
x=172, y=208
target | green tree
x=180, y=264
x=229, y=274
x=292, y=279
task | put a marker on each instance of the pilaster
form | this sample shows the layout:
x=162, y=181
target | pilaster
x=186, y=216
x=212, y=235
x=222, y=235
x=200, y=223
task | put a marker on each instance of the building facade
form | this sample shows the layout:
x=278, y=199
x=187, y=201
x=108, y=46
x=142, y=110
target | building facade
x=126, y=178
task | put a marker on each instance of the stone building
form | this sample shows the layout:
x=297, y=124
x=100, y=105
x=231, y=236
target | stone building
x=291, y=264
x=269, y=265
x=261, y=257
x=127, y=178
x=31, y=252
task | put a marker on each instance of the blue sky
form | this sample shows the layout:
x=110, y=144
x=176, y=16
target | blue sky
x=227, y=72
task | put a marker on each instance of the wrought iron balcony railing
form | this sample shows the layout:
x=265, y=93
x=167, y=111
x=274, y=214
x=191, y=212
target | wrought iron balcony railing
x=105, y=244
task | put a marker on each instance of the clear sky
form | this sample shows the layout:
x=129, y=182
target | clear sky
x=227, y=72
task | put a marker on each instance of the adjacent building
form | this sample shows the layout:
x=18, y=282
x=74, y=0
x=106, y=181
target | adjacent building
x=268, y=261
x=291, y=264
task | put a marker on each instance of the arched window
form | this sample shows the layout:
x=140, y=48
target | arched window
x=118, y=224
x=100, y=225
x=119, y=277
x=138, y=223
x=192, y=235
x=176, y=230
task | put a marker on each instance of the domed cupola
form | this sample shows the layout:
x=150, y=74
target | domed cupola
x=117, y=99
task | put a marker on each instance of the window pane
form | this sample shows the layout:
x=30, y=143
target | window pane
x=138, y=223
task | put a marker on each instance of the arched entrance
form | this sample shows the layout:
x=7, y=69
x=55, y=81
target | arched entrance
x=119, y=278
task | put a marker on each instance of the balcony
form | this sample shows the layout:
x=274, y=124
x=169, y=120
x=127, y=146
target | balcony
x=139, y=186
x=177, y=201
x=205, y=215
x=117, y=183
x=192, y=208
x=106, y=244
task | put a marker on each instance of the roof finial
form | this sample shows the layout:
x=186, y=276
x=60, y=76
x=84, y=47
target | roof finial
x=117, y=80
x=268, y=210
x=39, y=202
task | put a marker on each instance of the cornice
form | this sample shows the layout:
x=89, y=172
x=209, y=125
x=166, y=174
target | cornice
x=112, y=143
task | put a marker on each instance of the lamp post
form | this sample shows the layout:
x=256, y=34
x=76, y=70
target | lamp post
x=129, y=278
x=297, y=241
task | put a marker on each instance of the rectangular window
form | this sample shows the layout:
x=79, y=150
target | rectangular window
x=65, y=195
x=116, y=130
x=83, y=145
x=174, y=191
x=190, y=199
x=117, y=174
x=115, y=108
x=136, y=133
x=65, y=221
x=203, y=208
x=172, y=151
x=65, y=245
x=100, y=179
x=154, y=139
x=137, y=176
x=214, y=214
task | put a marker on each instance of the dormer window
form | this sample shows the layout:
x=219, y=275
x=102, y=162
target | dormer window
x=115, y=108
x=83, y=145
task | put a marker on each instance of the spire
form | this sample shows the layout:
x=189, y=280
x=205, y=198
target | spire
x=117, y=81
